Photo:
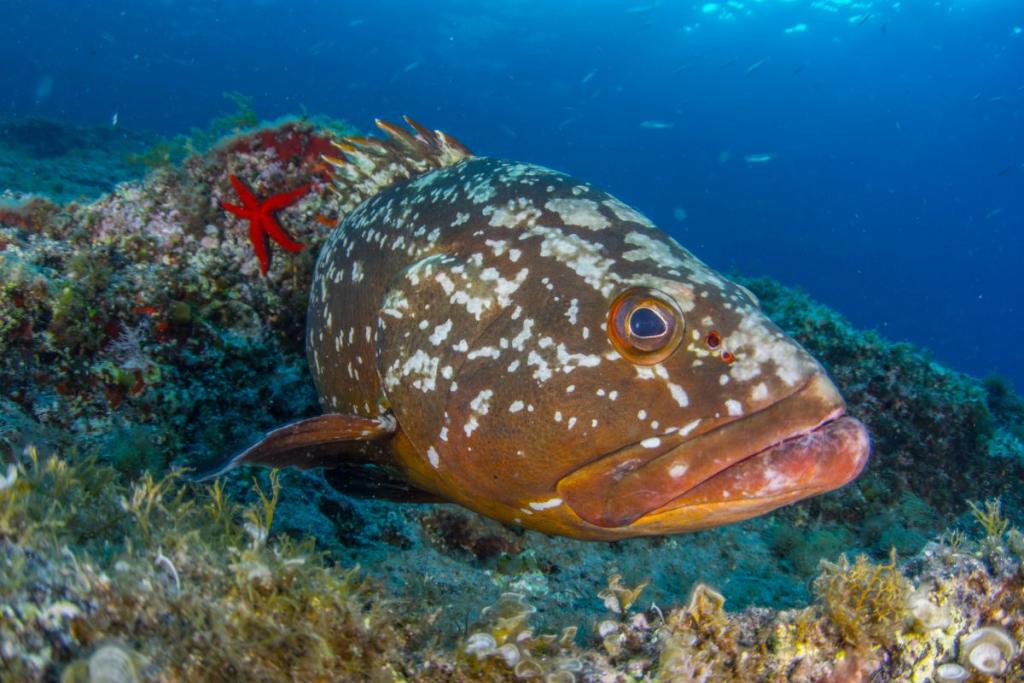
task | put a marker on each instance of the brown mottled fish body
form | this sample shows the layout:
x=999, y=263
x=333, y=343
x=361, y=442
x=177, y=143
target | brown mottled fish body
x=521, y=343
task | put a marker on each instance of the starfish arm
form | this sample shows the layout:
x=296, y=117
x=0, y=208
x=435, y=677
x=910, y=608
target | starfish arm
x=274, y=230
x=259, y=244
x=239, y=211
x=279, y=201
x=244, y=193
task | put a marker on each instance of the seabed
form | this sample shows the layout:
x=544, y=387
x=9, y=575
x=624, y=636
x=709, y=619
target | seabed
x=138, y=339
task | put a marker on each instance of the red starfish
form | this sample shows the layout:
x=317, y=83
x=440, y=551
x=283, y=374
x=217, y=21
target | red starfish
x=262, y=225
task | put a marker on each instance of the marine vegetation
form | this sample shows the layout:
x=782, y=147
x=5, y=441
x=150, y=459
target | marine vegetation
x=189, y=584
x=192, y=584
x=138, y=338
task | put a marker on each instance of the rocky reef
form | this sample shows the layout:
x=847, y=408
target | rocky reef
x=138, y=338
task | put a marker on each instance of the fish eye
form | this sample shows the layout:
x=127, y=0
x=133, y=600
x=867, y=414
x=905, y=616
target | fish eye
x=644, y=325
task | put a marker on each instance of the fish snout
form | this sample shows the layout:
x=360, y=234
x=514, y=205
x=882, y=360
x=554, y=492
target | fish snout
x=800, y=446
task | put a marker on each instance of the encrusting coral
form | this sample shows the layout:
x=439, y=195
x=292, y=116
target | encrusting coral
x=137, y=337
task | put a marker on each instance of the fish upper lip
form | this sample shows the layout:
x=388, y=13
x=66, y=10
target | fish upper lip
x=620, y=487
x=838, y=413
x=791, y=438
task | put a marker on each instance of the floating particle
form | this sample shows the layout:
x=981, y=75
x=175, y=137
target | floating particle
x=657, y=125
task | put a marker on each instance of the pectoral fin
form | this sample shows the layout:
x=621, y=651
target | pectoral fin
x=330, y=440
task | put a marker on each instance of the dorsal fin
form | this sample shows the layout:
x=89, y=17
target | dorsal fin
x=365, y=166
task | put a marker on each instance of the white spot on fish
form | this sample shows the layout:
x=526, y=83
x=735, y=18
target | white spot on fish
x=543, y=372
x=574, y=309
x=484, y=352
x=689, y=427
x=440, y=332
x=678, y=394
x=423, y=368
x=582, y=213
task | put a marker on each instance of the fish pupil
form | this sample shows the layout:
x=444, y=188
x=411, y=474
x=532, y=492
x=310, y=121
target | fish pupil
x=645, y=323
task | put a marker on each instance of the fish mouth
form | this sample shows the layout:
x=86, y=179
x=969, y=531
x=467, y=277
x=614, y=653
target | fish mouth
x=800, y=446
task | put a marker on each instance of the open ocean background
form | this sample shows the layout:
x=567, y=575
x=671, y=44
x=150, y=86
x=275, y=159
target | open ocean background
x=870, y=153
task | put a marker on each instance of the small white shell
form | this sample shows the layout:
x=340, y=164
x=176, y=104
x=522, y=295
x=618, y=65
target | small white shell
x=988, y=650
x=950, y=672
x=986, y=658
x=112, y=664
x=927, y=615
x=510, y=653
x=480, y=644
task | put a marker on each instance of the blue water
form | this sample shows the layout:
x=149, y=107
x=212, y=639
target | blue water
x=893, y=135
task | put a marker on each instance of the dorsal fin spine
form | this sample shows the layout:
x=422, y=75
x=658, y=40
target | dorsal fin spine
x=365, y=166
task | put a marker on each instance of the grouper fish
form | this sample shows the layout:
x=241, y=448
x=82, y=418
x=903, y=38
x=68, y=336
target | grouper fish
x=514, y=340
